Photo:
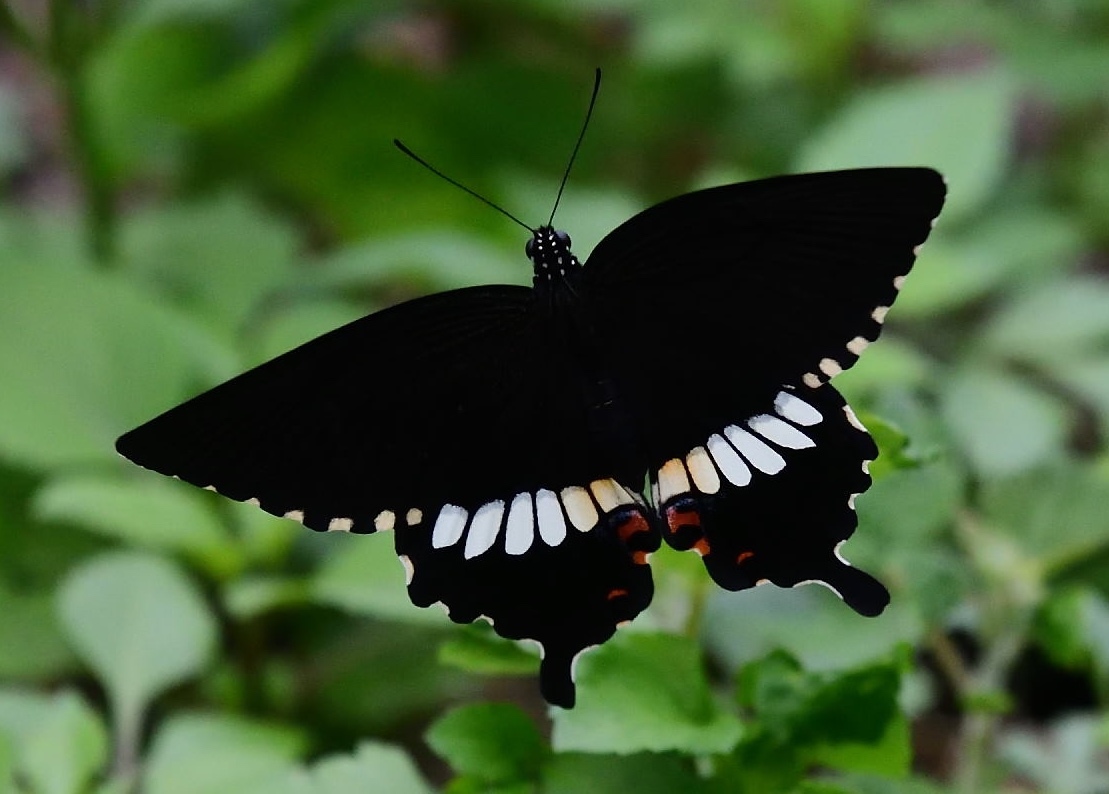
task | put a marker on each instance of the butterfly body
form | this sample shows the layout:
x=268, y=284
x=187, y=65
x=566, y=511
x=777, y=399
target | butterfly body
x=505, y=433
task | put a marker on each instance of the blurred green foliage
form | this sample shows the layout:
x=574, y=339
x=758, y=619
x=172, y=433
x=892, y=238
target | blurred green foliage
x=188, y=187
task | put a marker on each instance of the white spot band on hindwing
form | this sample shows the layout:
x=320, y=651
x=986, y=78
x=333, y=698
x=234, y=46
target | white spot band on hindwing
x=545, y=510
x=448, y=526
x=734, y=452
x=484, y=528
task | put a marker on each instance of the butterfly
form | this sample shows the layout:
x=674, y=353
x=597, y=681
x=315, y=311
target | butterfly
x=531, y=447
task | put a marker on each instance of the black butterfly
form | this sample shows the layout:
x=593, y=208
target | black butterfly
x=506, y=434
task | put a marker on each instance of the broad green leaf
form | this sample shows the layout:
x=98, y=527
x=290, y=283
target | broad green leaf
x=217, y=753
x=363, y=576
x=891, y=754
x=152, y=512
x=894, y=362
x=958, y=124
x=432, y=260
x=31, y=641
x=809, y=622
x=644, y=692
x=57, y=742
x=1002, y=424
x=77, y=340
x=642, y=773
x=495, y=743
x=1066, y=318
x=1088, y=378
x=1057, y=515
x=374, y=767
x=906, y=509
x=947, y=276
x=140, y=625
x=847, y=720
x=1072, y=628
x=218, y=258
x=7, y=766
x=252, y=595
x=66, y=749
x=476, y=649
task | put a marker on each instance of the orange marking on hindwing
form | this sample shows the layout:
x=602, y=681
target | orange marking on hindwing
x=616, y=592
x=744, y=555
x=639, y=557
x=702, y=547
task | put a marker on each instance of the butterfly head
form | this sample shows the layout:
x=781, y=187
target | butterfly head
x=549, y=252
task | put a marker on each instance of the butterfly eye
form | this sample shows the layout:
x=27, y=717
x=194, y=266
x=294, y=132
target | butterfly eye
x=563, y=238
x=529, y=247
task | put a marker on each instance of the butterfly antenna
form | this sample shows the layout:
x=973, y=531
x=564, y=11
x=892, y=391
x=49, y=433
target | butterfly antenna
x=458, y=184
x=581, y=136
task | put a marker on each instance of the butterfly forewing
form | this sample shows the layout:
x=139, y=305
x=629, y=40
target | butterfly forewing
x=727, y=293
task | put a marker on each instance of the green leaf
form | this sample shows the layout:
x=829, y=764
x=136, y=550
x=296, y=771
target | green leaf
x=7, y=766
x=903, y=521
x=847, y=720
x=152, y=512
x=31, y=641
x=642, y=773
x=140, y=625
x=492, y=742
x=385, y=767
x=253, y=595
x=363, y=576
x=216, y=753
x=1002, y=424
x=1068, y=317
x=77, y=340
x=895, y=362
x=809, y=622
x=644, y=692
x=57, y=743
x=218, y=258
x=430, y=260
x=959, y=125
x=1057, y=515
x=1088, y=378
x=477, y=649
x=67, y=747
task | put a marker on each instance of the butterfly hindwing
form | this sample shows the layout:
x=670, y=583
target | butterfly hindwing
x=564, y=568
x=770, y=497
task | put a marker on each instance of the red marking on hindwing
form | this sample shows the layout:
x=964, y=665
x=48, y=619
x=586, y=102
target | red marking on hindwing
x=639, y=557
x=632, y=525
x=679, y=517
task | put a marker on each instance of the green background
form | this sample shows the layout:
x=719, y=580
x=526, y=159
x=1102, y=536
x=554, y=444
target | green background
x=188, y=187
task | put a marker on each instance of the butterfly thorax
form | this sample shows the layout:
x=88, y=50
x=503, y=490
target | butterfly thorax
x=550, y=255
